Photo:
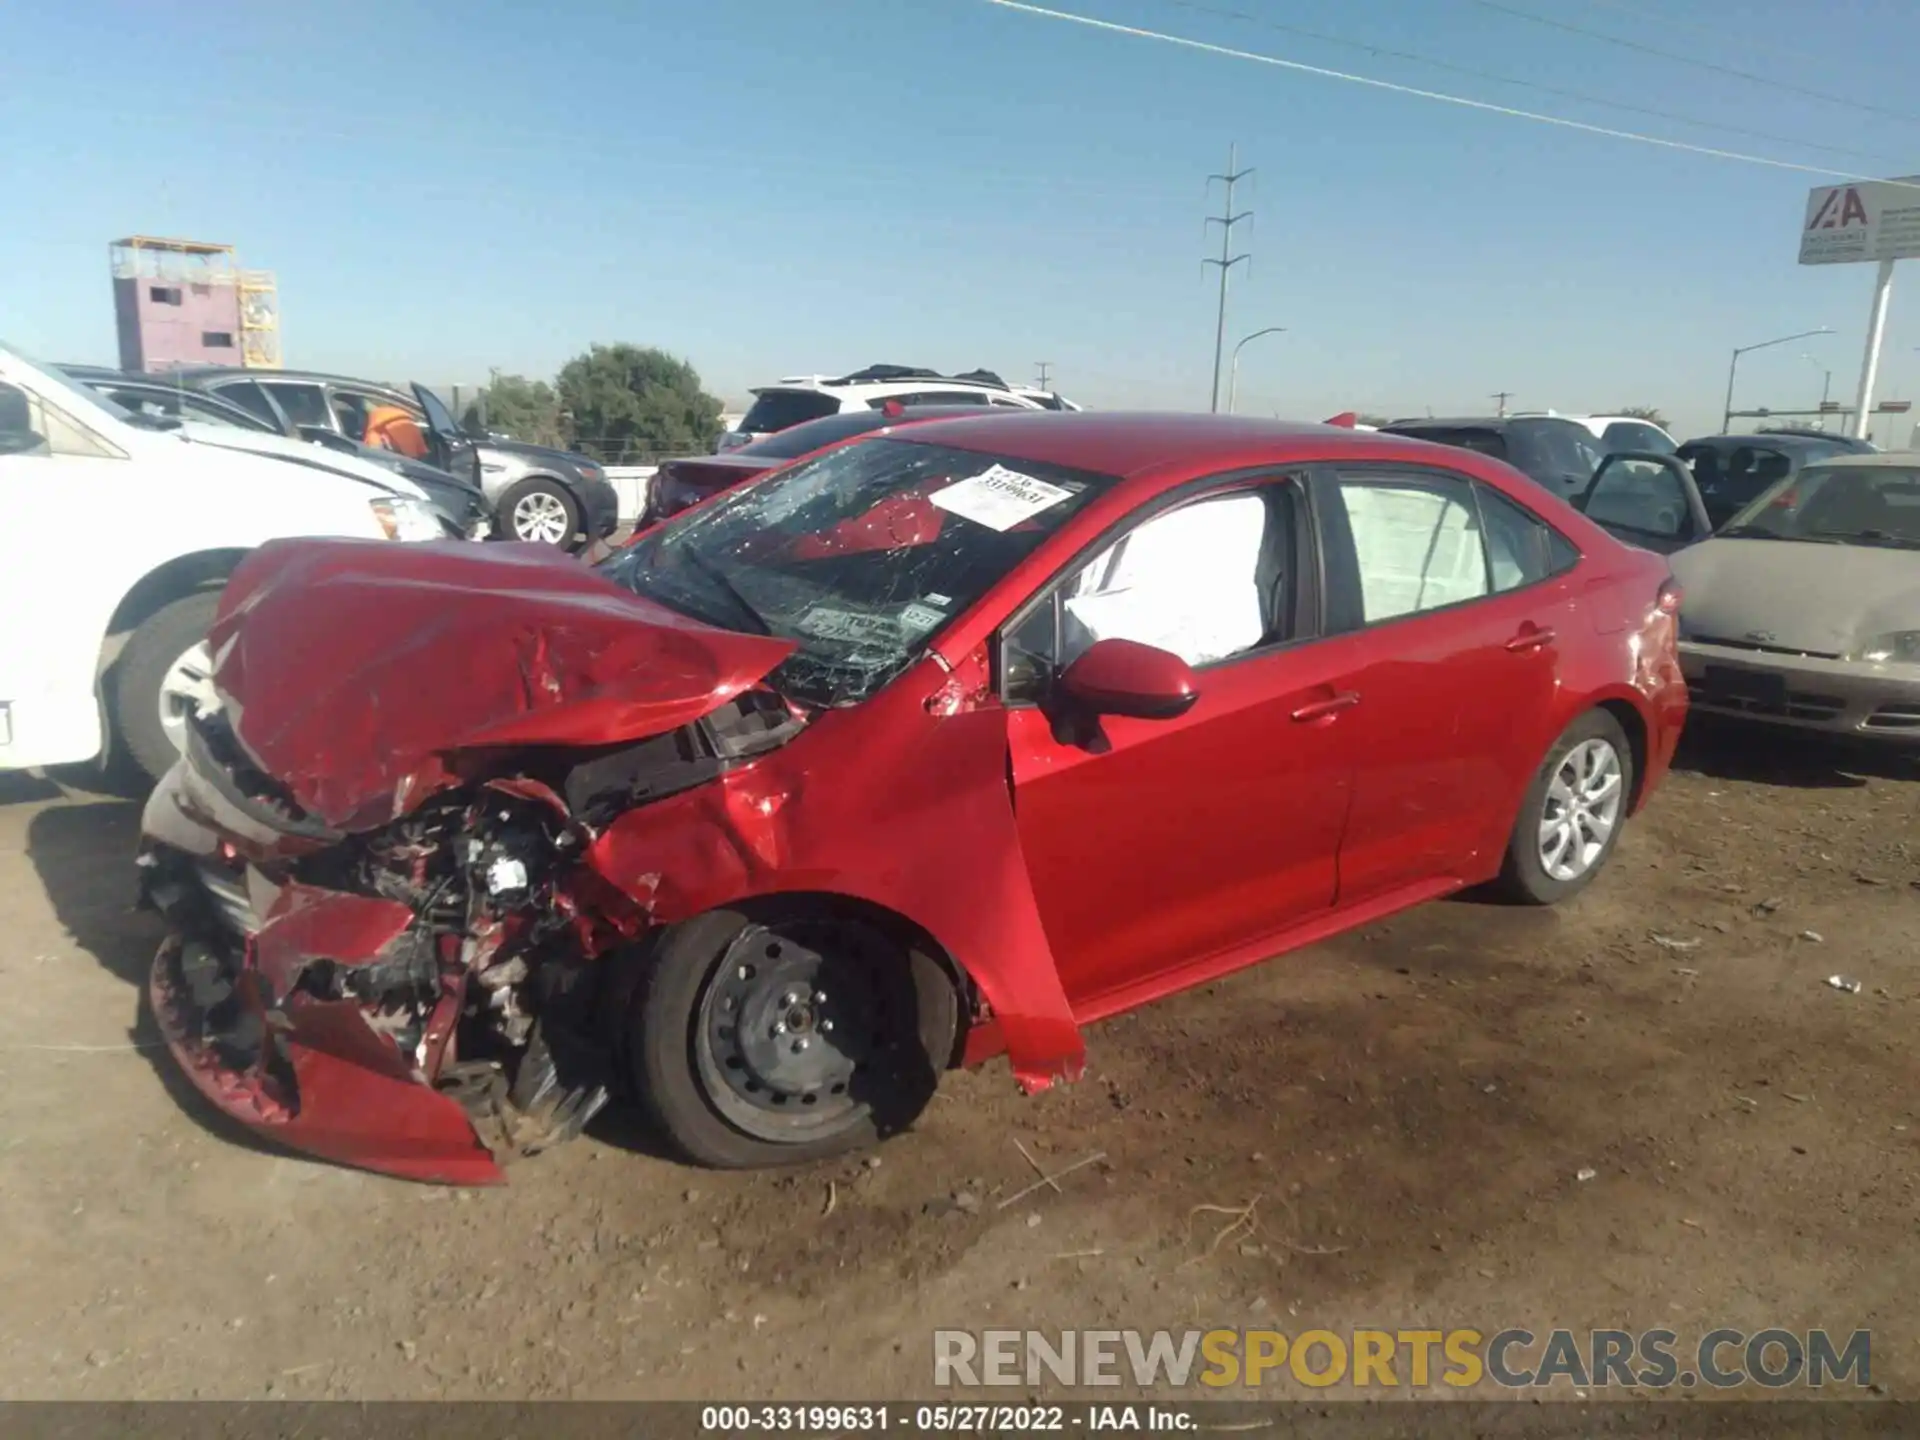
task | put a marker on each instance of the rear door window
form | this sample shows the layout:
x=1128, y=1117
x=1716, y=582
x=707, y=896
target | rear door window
x=941, y=397
x=778, y=409
x=1637, y=436
x=1558, y=453
x=1520, y=545
x=304, y=404
x=251, y=398
x=1416, y=542
x=1461, y=437
x=798, y=440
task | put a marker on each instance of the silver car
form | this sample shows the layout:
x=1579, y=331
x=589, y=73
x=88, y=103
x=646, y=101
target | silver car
x=1804, y=609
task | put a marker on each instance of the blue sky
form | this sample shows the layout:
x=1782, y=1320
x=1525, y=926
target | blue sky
x=781, y=186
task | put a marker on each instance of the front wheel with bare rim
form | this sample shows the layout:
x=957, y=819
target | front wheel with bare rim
x=787, y=1035
x=1571, y=817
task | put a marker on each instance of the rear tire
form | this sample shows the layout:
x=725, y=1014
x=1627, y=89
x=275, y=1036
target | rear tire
x=1572, y=814
x=149, y=677
x=786, y=1036
x=538, y=512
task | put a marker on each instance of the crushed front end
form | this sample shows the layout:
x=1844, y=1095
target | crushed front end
x=422, y=998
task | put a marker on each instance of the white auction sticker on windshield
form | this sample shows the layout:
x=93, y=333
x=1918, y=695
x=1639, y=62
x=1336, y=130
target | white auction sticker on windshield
x=999, y=498
x=918, y=619
x=849, y=625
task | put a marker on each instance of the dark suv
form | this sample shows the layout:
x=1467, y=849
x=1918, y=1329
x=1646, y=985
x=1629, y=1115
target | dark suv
x=1559, y=454
x=538, y=494
x=1732, y=470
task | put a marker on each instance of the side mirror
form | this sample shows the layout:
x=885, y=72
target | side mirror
x=1124, y=677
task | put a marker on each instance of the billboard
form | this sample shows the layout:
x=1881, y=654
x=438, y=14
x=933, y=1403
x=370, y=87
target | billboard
x=1867, y=220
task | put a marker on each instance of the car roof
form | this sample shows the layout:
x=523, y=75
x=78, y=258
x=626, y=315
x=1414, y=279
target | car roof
x=1786, y=439
x=249, y=372
x=1128, y=443
x=1875, y=460
x=107, y=372
x=1475, y=422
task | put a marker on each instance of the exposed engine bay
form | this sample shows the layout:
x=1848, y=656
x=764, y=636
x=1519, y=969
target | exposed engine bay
x=452, y=962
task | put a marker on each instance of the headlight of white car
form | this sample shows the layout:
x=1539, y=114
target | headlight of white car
x=1899, y=647
x=404, y=518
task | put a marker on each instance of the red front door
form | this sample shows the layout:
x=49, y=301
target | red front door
x=1187, y=836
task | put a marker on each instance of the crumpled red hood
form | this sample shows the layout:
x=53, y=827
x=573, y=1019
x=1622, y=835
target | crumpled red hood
x=353, y=669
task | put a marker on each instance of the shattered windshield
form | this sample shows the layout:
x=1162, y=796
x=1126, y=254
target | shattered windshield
x=1848, y=504
x=860, y=556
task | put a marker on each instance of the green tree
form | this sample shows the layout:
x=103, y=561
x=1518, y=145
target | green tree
x=634, y=403
x=1649, y=413
x=514, y=405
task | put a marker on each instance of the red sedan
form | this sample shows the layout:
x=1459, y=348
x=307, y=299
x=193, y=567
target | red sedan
x=933, y=746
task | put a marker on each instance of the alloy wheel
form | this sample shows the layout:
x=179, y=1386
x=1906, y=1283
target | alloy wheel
x=1581, y=810
x=541, y=518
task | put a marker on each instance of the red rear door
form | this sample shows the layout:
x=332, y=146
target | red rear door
x=1457, y=618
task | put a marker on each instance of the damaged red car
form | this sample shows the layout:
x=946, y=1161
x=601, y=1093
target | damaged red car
x=934, y=746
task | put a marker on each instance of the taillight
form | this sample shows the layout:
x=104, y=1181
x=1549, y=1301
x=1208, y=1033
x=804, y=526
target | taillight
x=1668, y=600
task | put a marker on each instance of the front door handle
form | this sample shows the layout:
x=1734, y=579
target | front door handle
x=1325, y=709
x=1531, y=639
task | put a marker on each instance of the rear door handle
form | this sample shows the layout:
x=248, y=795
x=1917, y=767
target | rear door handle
x=1322, y=709
x=1531, y=639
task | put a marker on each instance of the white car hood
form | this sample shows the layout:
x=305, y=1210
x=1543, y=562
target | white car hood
x=298, y=452
x=1825, y=599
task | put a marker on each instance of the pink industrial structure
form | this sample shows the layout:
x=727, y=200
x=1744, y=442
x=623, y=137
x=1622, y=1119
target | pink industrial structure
x=186, y=302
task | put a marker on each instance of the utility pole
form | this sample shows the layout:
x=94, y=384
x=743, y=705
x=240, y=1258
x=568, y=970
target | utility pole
x=1500, y=398
x=1226, y=220
x=1045, y=365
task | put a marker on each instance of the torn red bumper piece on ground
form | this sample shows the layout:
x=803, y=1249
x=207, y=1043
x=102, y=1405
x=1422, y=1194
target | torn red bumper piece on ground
x=307, y=1072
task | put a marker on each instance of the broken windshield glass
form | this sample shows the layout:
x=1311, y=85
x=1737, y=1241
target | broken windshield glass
x=860, y=556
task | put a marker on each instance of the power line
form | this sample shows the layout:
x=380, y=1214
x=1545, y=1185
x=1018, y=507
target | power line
x=1722, y=34
x=1413, y=57
x=1646, y=49
x=1487, y=106
x=1226, y=220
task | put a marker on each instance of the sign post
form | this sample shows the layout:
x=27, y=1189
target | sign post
x=1870, y=362
x=1870, y=220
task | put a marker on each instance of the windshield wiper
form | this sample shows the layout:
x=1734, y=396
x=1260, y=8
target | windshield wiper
x=1872, y=537
x=726, y=587
x=1754, y=532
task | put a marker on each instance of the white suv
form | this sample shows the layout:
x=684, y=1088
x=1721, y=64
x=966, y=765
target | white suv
x=1618, y=434
x=800, y=398
x=122, y=536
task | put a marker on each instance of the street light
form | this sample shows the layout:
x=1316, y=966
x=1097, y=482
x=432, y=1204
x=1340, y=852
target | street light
x=1726, y=422
x=1233, y=375
x=1826, y=379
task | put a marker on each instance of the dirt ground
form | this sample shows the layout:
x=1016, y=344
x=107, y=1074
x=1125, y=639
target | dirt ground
x=1406, y=1109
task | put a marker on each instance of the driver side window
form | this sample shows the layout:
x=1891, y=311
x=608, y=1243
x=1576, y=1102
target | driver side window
x=1190, y=580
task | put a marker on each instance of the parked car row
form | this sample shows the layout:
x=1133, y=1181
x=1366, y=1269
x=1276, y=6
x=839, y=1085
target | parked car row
x=1799, y=553
x=104, y=649
x=786, y=808
x=800, y=398
x=535, y=493
x=167, y=401
x=1858, y=620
